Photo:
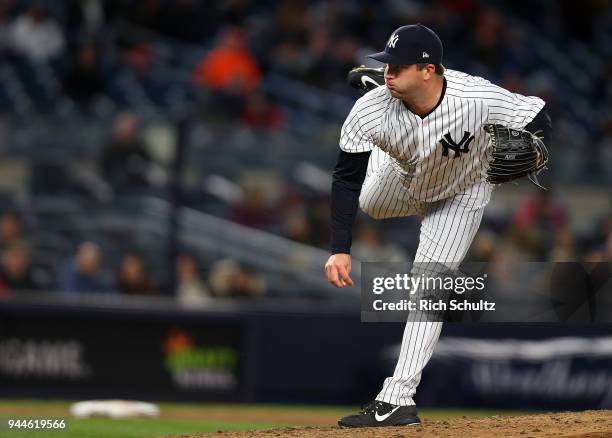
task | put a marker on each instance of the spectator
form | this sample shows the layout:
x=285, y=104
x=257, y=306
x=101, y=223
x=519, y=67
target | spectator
x=229, y=66
x=258, y=205
x=229, y=278
x=487, y=47
x=10, y=230
x=537, y=223
x=15, y=271
x=288, y=58
x=318, y=58
x=132, y=277
x=484, y=248
x=36, y=36
x=344, y=56
x=369, y=246
x=84, y=17
x=125, y=163
x=225, y=76
x=84, y=273
x=140, y=58
x=191, y=290
x=297, y=227
x=85, y=80
x=563, y=249
x=261, y=114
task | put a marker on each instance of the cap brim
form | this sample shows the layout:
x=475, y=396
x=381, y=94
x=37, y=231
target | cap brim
x=387, y=58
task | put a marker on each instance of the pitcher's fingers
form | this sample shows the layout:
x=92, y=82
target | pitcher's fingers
x=344, y=275
x=332, y=276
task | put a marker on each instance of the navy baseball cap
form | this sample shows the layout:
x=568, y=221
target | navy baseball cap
x=411, y=44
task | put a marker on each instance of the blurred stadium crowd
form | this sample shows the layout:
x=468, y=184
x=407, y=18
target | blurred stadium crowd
x=92, y=94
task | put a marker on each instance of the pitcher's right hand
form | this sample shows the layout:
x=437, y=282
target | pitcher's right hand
x=337, y=270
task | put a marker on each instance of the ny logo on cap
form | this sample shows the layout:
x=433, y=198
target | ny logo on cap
x=393, y=40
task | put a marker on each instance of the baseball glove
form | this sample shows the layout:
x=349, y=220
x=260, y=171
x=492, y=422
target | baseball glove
x=366, y=78
x=515, y=153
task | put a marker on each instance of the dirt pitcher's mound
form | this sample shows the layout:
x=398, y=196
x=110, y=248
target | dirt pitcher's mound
x=588, y=424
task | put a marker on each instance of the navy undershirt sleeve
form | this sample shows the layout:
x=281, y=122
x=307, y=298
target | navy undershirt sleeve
x=348, y=177
x=541, y=123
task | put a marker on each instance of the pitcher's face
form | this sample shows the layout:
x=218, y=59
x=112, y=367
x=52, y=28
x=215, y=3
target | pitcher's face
x=404, y=80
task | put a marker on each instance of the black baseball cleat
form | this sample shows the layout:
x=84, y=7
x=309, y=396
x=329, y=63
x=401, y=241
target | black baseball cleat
x=366, y=78
x=377, y=413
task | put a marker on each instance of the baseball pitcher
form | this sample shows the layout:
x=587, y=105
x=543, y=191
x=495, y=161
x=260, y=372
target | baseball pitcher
x=434, y=142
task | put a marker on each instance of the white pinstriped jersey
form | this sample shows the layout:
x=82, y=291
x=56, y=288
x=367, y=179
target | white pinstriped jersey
x=443, y=153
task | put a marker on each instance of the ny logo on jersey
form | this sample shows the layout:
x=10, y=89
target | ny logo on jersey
x=393, y=40
x=462, y=146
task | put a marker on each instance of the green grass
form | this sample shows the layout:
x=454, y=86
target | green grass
x=132, y=428
x=168, y=425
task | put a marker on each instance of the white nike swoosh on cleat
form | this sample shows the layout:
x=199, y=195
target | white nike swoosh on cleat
x=380, y=418
x=365, y=79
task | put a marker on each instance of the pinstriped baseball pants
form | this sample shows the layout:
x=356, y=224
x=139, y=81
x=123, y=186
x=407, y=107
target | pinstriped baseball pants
x=447, y=230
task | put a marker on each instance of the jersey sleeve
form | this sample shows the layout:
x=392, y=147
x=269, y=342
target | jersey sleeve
x=357, y=134
x=511, y=109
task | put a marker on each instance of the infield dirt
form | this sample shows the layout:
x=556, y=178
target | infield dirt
x=587, y=424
